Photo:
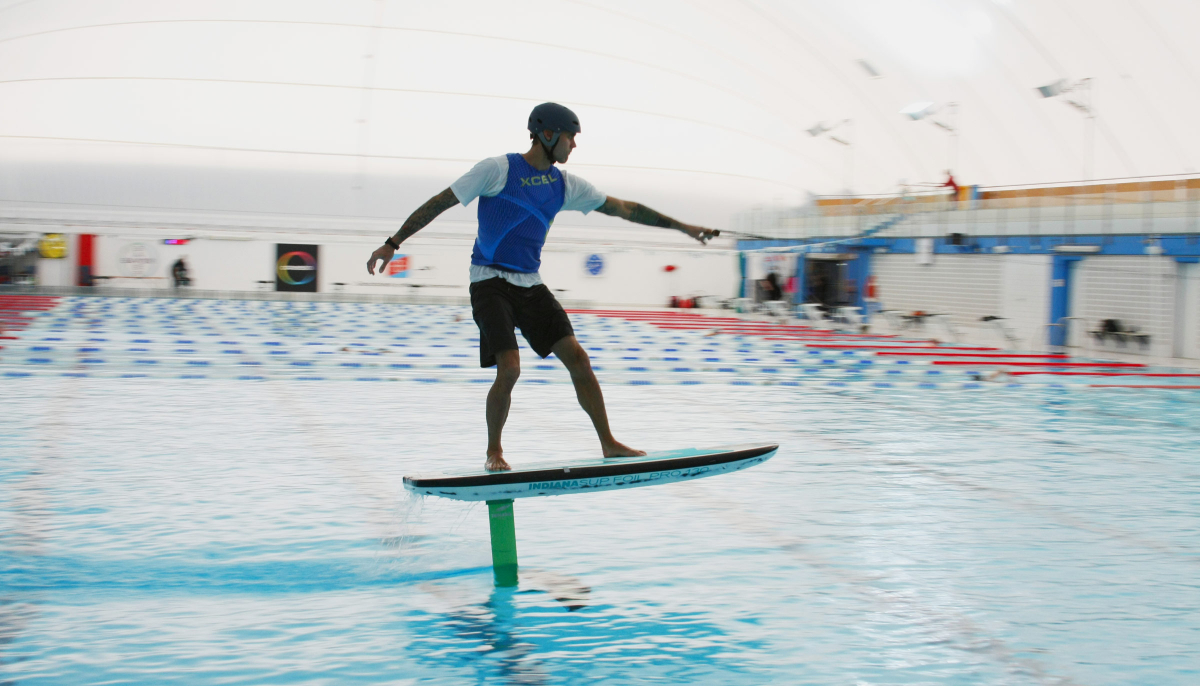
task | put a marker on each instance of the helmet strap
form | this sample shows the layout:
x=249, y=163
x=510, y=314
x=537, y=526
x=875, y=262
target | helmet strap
x=548, y=145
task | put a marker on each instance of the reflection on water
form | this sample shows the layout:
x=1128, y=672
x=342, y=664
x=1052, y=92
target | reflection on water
x=194, y=532
x=519, y=637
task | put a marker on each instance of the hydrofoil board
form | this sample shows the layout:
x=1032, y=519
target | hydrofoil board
x=591, y=475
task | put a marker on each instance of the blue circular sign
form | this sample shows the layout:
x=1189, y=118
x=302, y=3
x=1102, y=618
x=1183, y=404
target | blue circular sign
x=594, y=264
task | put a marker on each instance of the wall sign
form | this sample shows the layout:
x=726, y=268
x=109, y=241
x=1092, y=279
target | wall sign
x=296, y=267
x=398, y=267
x=593, y=265
x=53, y=246
x=137, y=260
x=759, y=264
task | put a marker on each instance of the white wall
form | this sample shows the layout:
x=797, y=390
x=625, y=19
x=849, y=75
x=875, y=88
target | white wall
x=1187, y=311
x=638, y=276
x=1025, y=297
x=59, y=272
x=967, y=287
x=633, y=276
x=970, y=287
x=213, y=264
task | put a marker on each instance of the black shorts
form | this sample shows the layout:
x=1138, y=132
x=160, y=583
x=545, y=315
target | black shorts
x=498, y=307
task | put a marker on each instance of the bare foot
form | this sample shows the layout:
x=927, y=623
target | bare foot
x=617, y=449
x=495, y=462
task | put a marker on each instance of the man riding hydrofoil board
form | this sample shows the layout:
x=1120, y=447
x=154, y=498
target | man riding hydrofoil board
x=519, y=195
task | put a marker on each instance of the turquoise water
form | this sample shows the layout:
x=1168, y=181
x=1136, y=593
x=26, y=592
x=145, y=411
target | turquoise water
x=215, y=531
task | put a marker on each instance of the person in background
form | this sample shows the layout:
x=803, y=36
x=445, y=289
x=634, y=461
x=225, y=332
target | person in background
x=952, y=185
x=179, y=272
x=815, y=284
x=872, y=296
x=770, y=287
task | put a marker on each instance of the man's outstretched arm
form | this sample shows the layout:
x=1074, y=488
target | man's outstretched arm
x=415, y=222
x=640, y=214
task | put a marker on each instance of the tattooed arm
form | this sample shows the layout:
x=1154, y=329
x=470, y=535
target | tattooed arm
x=415, y=222
x=640, y=214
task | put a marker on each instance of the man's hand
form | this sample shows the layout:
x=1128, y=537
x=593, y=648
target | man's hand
x=700, y=233
x=415, y=222
x=384, y=254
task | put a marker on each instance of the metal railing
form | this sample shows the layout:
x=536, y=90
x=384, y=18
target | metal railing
x=1063, y=324
x=1162, y=205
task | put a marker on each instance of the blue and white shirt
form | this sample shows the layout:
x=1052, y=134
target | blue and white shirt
x=516, y=208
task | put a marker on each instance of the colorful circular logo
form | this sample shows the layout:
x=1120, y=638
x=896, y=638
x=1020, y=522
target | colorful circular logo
x=296, y=274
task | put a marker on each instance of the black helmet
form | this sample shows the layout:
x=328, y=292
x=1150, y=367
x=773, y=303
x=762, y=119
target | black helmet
x=551, y=116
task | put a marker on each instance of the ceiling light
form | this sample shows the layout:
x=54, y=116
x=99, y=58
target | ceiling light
x=869, y=68
x=1052, y=89
x=918, y=110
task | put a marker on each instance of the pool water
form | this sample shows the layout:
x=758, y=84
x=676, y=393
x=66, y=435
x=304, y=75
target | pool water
x=218, y=531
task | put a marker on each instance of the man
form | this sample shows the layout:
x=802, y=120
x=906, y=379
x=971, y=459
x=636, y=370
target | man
x=770, y=286
x=519, y=195
x=952, y=184
x=179, y=272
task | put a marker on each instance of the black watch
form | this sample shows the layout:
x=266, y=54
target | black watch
x=390, y=242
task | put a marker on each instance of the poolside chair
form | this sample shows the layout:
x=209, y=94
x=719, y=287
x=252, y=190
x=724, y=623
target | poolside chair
x=851, y=317
x=742, y=305
x=777, y=308
x=1121, y=333
x=814, y=313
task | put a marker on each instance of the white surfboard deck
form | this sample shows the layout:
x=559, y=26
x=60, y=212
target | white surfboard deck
x=591, y=475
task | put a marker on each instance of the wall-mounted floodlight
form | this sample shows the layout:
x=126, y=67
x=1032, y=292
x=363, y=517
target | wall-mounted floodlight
x=1081, y=100
x=1063, y=87
x=1052, y=89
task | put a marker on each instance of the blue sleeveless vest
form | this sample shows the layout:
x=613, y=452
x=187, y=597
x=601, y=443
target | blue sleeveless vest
x=513, y=224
